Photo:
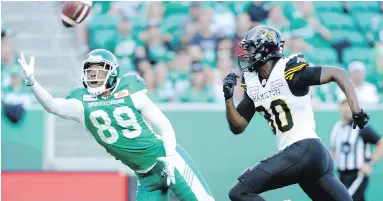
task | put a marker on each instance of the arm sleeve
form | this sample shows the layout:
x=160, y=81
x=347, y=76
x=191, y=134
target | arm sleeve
x=306, y=77
x=246, y=107
x=369, y=135
x=155, y=116
x=67, y=109
x=298, y=73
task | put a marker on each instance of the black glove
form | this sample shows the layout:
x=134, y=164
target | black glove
x=228, y=84
x=360, y=119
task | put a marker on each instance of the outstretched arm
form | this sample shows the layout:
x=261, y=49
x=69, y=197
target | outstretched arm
x=317, y=75
x=68, y=109
x=155, y=116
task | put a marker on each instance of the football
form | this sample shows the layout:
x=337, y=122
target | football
x=74, y=12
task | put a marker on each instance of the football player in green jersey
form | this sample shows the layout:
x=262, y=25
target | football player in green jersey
x=117, y=112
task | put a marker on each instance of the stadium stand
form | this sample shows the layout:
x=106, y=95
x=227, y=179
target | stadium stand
x=333, y=42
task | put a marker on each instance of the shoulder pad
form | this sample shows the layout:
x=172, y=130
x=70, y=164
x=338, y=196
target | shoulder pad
x=133, y=82
x=76, y=93
x=295, y=63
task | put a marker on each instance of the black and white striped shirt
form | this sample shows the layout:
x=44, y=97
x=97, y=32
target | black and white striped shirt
x=352, y=147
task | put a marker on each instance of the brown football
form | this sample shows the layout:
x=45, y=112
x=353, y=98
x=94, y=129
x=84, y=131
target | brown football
x=74, y=12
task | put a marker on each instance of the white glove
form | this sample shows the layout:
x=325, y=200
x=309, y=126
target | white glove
x=28, y=69
x=169, y=169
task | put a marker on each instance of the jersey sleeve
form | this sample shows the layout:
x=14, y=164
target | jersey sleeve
x=369, y=135
x=133, y=82
x=246, y=107
x=75, y=93
x=300, y=76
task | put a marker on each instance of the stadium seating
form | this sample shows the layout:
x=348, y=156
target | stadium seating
x=328, y=6
x=363, y=19
x=326, y=56
x=363, y=6
x=354, y=37
x=357, y=53
x=334, y=20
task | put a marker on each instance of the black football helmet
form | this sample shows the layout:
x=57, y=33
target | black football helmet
x=262, y=43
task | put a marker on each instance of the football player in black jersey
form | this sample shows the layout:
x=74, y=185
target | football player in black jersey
x=278, y=88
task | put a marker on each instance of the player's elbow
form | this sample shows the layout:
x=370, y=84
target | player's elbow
x=236, y=129
x=236, y=132
x=339, y=74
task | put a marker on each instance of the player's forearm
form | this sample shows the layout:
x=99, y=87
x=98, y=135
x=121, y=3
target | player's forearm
x=378, y=154
x=45, y=99
x=155, y=116
x=234, y=119
x=58, y=106
x=341, y=77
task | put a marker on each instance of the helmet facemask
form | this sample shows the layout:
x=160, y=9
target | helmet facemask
x=256, y=55
x=98, y=76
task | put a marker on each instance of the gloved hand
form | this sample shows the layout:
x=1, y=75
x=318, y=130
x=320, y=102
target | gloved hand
x=28, y=69
x=169, y=169
x=360, y=119
x=229, y=82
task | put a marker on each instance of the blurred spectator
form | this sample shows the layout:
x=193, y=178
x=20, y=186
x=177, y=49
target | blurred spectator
x=224, y=19
x=307, y=25
x=144, y=37
x=367, y=92
x=190, y=25
x=13, y=113
x=205, y=38
x=277, y=20
x=157, y=45
x=8, y=57
x=152, y=12
x=125, y=45
x=127, y=8
x=243, y=26
x=198, y=91
x=165, y=88
x=377, y=27
x=150, y=80
x=16, y=97
x=377, y=74
x=156, y=11
x=225, y=64
x=143, y=65
x=180, y=69
x=17, y=92
x=295, y=45
x=258, y=11
x=102, y=29
x=225, y=44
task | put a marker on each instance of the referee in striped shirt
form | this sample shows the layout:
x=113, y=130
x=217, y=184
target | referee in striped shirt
x=351, y=150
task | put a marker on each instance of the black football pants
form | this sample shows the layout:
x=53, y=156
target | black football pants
x=306, y=162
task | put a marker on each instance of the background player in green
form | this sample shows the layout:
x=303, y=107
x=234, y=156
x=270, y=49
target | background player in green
x=116, y=111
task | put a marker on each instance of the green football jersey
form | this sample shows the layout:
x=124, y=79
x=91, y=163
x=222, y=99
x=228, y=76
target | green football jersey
x=118, y=125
